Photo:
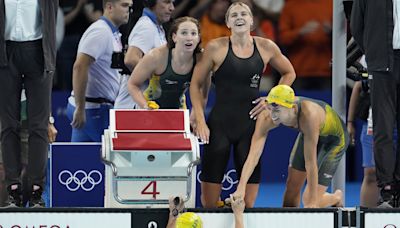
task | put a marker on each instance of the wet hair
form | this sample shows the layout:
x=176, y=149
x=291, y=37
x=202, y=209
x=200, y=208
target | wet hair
x=244, y=5
x=174, y=29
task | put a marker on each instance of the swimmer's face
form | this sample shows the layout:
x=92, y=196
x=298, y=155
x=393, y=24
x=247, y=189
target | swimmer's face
x=187, y=36
x=239, y=18
x=279, y=114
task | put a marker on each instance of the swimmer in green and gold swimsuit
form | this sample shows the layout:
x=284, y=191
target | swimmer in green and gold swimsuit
x=316, y=154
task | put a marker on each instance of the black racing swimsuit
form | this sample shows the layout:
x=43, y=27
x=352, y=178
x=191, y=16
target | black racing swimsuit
x=237, y=84
x=168, y=89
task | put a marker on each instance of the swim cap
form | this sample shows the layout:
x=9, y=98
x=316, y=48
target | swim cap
x=282, y=95
x=189, y=220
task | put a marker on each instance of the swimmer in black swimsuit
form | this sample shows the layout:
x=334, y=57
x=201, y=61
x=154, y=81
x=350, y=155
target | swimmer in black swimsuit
x=168, y=67
x=238, y=62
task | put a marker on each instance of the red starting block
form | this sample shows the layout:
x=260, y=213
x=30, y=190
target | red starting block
x=150, y=155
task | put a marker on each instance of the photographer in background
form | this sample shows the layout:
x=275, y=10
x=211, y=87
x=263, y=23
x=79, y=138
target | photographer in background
x=95, y=83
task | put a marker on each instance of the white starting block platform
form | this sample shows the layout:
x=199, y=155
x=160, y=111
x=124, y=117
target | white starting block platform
x=150, y=156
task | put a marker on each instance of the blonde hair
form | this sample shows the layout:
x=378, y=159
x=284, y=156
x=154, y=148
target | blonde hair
x=244, y=5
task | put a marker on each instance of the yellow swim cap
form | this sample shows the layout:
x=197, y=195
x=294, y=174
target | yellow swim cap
x=189, y=220
x=281, y=95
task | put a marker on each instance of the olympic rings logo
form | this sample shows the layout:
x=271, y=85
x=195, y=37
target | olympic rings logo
x=80, y=179
x=227, y=179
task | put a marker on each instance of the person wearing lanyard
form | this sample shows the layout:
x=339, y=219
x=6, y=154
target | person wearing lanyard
x=95, y=83
x=147, y=34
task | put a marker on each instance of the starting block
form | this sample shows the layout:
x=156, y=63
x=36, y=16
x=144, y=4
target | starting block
x=150, y=155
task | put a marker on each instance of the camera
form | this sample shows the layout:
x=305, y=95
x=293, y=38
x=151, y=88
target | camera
x=117, y=62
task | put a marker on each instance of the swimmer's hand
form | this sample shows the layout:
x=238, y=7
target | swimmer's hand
x=260, y=106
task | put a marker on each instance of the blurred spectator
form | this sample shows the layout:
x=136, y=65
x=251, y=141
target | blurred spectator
x=148, y=33
x=60, y=28
x=305, y=30
x=182, y=8
x=95, y=83
x=272, y=8
x=135, y=13
x=262, y=26
x=369, y=193
x=211, y=14
x=78, y=15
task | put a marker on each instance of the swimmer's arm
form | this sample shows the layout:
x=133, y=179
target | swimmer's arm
x=171, y=221
x=142, y=72
x=132, y=57
x=201, y=80
x=282, y=64
x=207, y=83
x=238, y=206
x=263, y=125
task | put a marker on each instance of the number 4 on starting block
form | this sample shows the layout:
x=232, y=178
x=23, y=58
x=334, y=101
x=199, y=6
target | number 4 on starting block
x=153, y=192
